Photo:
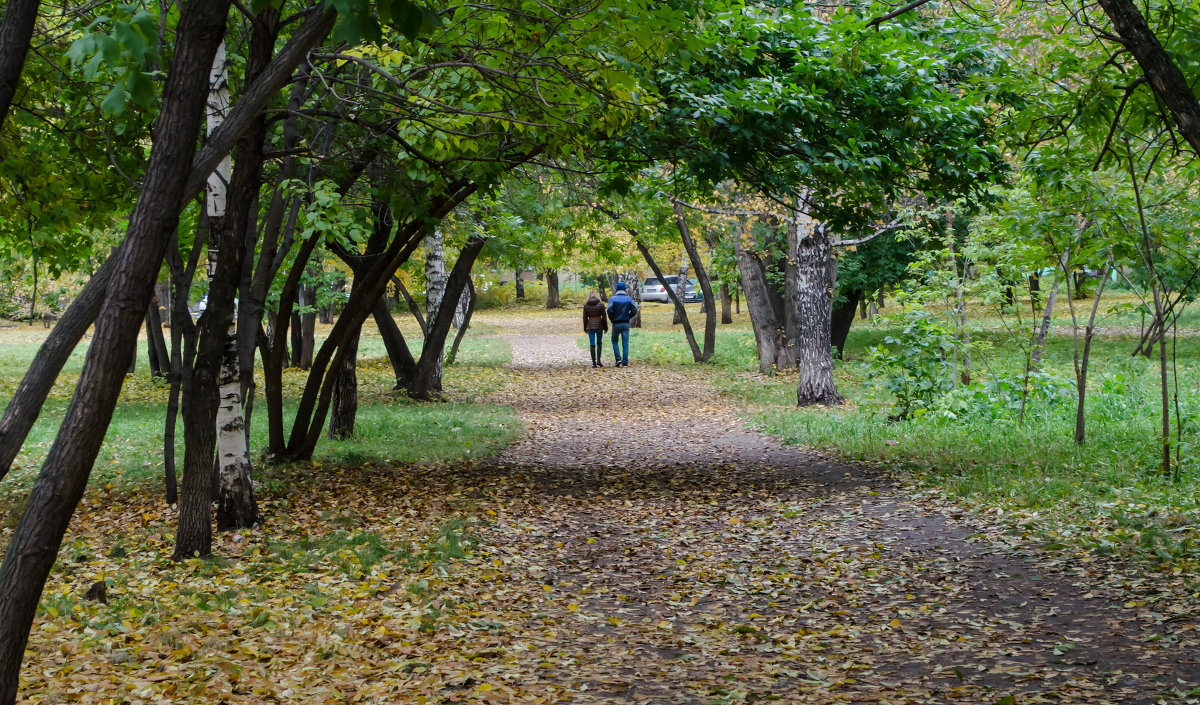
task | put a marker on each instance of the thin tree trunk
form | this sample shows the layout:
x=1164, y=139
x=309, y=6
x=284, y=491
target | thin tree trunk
x=633, y=282
x=1044, y=329
x=35, y=541
x=842, y=318
x=710, y=310
x=680, y=288
x=1081, y=363
x=435, y=291
x=411, y=302
x=156, y=344
x=726, y=301
x=520, y=283
x=466, y=323
x=697, y=353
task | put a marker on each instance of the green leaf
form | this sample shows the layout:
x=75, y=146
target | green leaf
x=114, y=102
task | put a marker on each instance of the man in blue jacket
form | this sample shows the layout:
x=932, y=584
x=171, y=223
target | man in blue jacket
x=621, y=311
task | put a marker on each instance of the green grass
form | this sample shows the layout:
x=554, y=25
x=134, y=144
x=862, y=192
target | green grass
x=389, y=426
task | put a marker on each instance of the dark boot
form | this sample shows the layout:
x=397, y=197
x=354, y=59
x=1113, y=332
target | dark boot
x=593, y=348
x=599, y=349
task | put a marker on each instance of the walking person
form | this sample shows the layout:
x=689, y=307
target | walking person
x=595, y=324
x=621, y=311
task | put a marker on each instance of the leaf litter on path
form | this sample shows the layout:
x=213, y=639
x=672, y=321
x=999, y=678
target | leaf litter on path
x=639, y=545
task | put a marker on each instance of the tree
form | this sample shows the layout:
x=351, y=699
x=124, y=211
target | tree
x=60, y=484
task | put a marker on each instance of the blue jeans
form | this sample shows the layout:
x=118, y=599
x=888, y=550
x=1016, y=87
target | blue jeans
x=621, y=330
x=595, y=338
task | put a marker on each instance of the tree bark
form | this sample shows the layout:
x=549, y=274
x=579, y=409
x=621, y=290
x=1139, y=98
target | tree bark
x=1039, y=341
x=1164, y=76
x=726, y=305
x=842, y=318
x=697, y=353
x=809, y=312
x=635, y=292
x=16, y=31
x=763, y=319
x=345, y=395
x=35, y=542
x=520, y=283
x=466, y=323
x=710, y=310
x=435, y=290
x=427, y=381
x=156, y=344
x=553, y=300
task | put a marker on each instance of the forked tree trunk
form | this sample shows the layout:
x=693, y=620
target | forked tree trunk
x=427, y=381
x=35, y=542
x=693, y=254
x=697, y=353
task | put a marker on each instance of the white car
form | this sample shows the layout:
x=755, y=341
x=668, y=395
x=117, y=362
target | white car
x=653, y=290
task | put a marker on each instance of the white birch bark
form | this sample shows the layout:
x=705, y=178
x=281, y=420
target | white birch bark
x=233, y=454
x=435, y=280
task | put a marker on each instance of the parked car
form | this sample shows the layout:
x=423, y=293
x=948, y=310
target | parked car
x=652, y=290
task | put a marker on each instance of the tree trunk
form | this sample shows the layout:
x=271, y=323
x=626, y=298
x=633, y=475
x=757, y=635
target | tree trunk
x=1164, y=76
x=427, y=381
x=680, y=288
x=16, y=30
x=403, y=364
x=413, y=308
x=1081, y=365
x=26, y=403
x=520, y=283
x=842, y=318
x=35, y=541
x=763, y=320
x=236, y=505
x=633, y=282
x=1039, y=342
x=466, y=323
x=345, y=395
x=435, y=292
x=726, y=302
x=693, y=254
x=697, y=353
x=156, y=344
x=553, y=300
x=809, y=313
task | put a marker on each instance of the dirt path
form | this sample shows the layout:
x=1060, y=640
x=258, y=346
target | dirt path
x=646, y=548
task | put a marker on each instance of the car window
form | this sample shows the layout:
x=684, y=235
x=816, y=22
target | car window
x=651, y=282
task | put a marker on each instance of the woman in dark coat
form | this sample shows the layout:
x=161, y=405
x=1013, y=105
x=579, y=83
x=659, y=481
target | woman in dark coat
x=595, y=324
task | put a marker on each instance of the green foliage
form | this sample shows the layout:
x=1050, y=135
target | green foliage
x=916, y=368
x=117, y=48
